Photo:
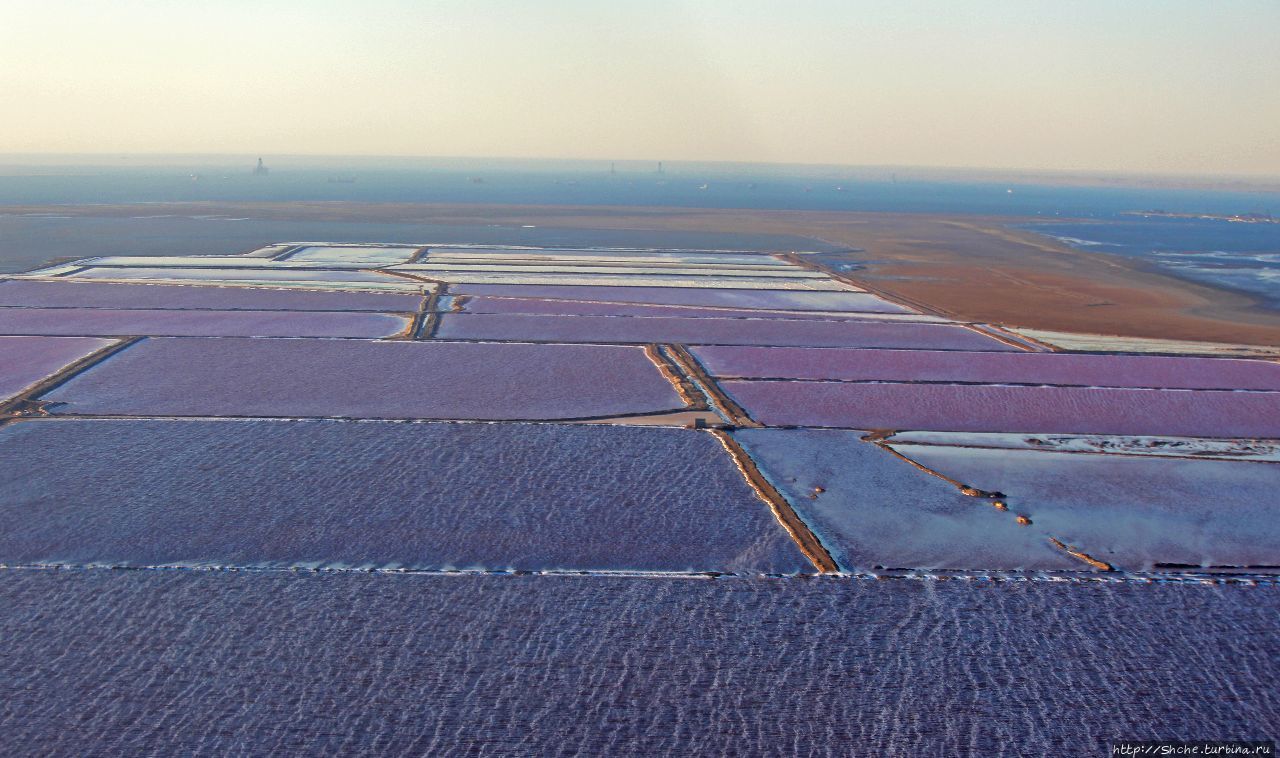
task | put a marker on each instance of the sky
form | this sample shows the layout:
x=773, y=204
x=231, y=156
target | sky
x=1134, y=86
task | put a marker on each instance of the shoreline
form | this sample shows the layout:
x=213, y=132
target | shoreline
x=974, y=268
x=1265, y=299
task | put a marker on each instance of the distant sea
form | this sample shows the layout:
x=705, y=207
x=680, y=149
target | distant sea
x=1239, y=256
x=680, y=185
x=1234, y=255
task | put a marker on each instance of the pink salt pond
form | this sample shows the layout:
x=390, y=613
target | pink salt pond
x=545, y=307
x=190, y=323
x=78, y=294
x=725, y=298
x=989, y=408
x=714, y=331
x=24, y=361
x=992, y=368
x=369, y=379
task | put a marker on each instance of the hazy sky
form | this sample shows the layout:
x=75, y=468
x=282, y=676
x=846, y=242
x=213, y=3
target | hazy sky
x=1166, y=86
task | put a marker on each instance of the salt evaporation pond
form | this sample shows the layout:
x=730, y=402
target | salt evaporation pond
x=281, y=493
x=444, y=269
x=233, y=275
x=192, y=323
x=536, y=307
x=1132, y=512
x=714, y=331
x=992, y=408
x=610, y=263
x=27, y=360
x=776, y=299
x=415, y=569
x=1202, y=448
x=873, y=510
x=605, y=279
x=995, y=368
x=216, y=662
x=229, y=262
x=601, y=255
x=369, y=379
x=75, y=294
x=321, y=255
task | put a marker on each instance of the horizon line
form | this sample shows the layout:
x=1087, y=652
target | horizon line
x=1109, y=173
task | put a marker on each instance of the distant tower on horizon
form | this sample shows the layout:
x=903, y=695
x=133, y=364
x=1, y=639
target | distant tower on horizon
x=261, y=170
x=659, y=167
x=613, y=168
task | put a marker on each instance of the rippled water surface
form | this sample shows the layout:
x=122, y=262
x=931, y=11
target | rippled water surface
x=438, y=496
x=129, y=662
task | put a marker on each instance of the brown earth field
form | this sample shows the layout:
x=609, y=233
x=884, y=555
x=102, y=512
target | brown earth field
x=966, y=267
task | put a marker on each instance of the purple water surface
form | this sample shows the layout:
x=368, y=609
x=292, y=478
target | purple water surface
x=616, y=256
x=996, y=368
x=1131, y=512
x=243, y=274
x=977, y=408
x=182, y=323
x=714, y=331
x=420, y=496
x=873, y=510
x=770, y=299
x=368, y=379
x=216, y=663
x=72, y=294
x=531, y=306
x=26, y=360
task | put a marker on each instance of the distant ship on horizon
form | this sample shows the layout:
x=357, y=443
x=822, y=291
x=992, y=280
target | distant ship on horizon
x=260, y=169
